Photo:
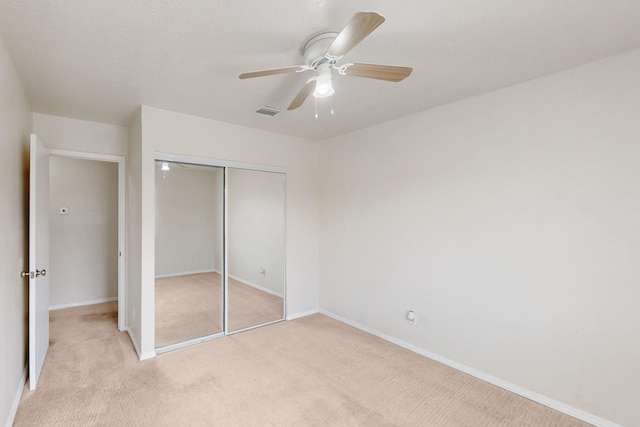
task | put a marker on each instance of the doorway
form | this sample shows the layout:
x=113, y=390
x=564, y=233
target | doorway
x=87, y=230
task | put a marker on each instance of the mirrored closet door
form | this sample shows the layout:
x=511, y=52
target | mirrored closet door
x=189, y=252
x=220, y=251
x=255, y=247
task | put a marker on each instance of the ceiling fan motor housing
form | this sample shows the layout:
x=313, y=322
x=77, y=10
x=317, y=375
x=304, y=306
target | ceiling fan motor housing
x=316, y=49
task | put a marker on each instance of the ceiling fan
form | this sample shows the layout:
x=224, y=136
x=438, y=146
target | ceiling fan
x=323, y=51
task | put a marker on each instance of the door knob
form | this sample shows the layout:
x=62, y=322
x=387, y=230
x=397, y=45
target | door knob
x=33, y=275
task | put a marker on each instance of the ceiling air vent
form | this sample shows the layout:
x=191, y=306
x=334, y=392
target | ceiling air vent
x=267, y=111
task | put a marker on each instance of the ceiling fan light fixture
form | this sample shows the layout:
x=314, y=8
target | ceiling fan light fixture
x=324, y=86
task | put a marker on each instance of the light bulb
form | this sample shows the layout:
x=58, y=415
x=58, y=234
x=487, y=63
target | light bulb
x=324, y=87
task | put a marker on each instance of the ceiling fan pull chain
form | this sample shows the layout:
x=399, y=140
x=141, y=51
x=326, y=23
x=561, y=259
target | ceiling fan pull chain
x=316, y=103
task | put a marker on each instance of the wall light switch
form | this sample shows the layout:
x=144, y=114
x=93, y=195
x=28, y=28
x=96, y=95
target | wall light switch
x=63, y=210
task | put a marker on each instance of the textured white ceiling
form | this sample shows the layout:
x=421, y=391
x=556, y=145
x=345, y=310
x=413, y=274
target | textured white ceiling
x=100, y=60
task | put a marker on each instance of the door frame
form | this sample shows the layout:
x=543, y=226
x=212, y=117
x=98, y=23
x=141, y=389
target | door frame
x=121, y=161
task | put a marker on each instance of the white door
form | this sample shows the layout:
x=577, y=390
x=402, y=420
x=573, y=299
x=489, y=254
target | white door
x=38, y=258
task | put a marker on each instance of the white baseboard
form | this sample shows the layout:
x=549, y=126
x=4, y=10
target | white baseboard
x=141, y=356
x=16, y=399
x=149, y=355
x=302, y=314
x=258, y=287
x=136, y=347
x=185, y=273
x=78, y=304
x=528, y=394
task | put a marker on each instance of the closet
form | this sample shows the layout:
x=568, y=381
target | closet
x=219, y=249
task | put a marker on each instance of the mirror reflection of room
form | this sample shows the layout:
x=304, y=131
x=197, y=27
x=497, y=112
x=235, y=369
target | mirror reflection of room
x=255, y=247
x=189, y=252
x=190, y=260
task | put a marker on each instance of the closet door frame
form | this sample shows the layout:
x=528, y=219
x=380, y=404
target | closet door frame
x=226, y=164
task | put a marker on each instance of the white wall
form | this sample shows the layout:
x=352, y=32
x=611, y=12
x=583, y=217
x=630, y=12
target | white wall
x=188, y=220
x=183, y=134
x=15, y=126
x=509, y=223
x=255, y=228
x=84, y=243
x=79, y=135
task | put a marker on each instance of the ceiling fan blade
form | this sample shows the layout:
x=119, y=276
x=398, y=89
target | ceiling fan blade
x=303, y=94
x=360, y=26
x=284, y=70
x=390, y=73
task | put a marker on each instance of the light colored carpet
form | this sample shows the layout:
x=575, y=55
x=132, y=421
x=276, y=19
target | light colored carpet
x=312, y=371
x=190, y=307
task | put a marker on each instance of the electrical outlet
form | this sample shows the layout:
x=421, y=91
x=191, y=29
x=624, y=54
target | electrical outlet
x=412, y=318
